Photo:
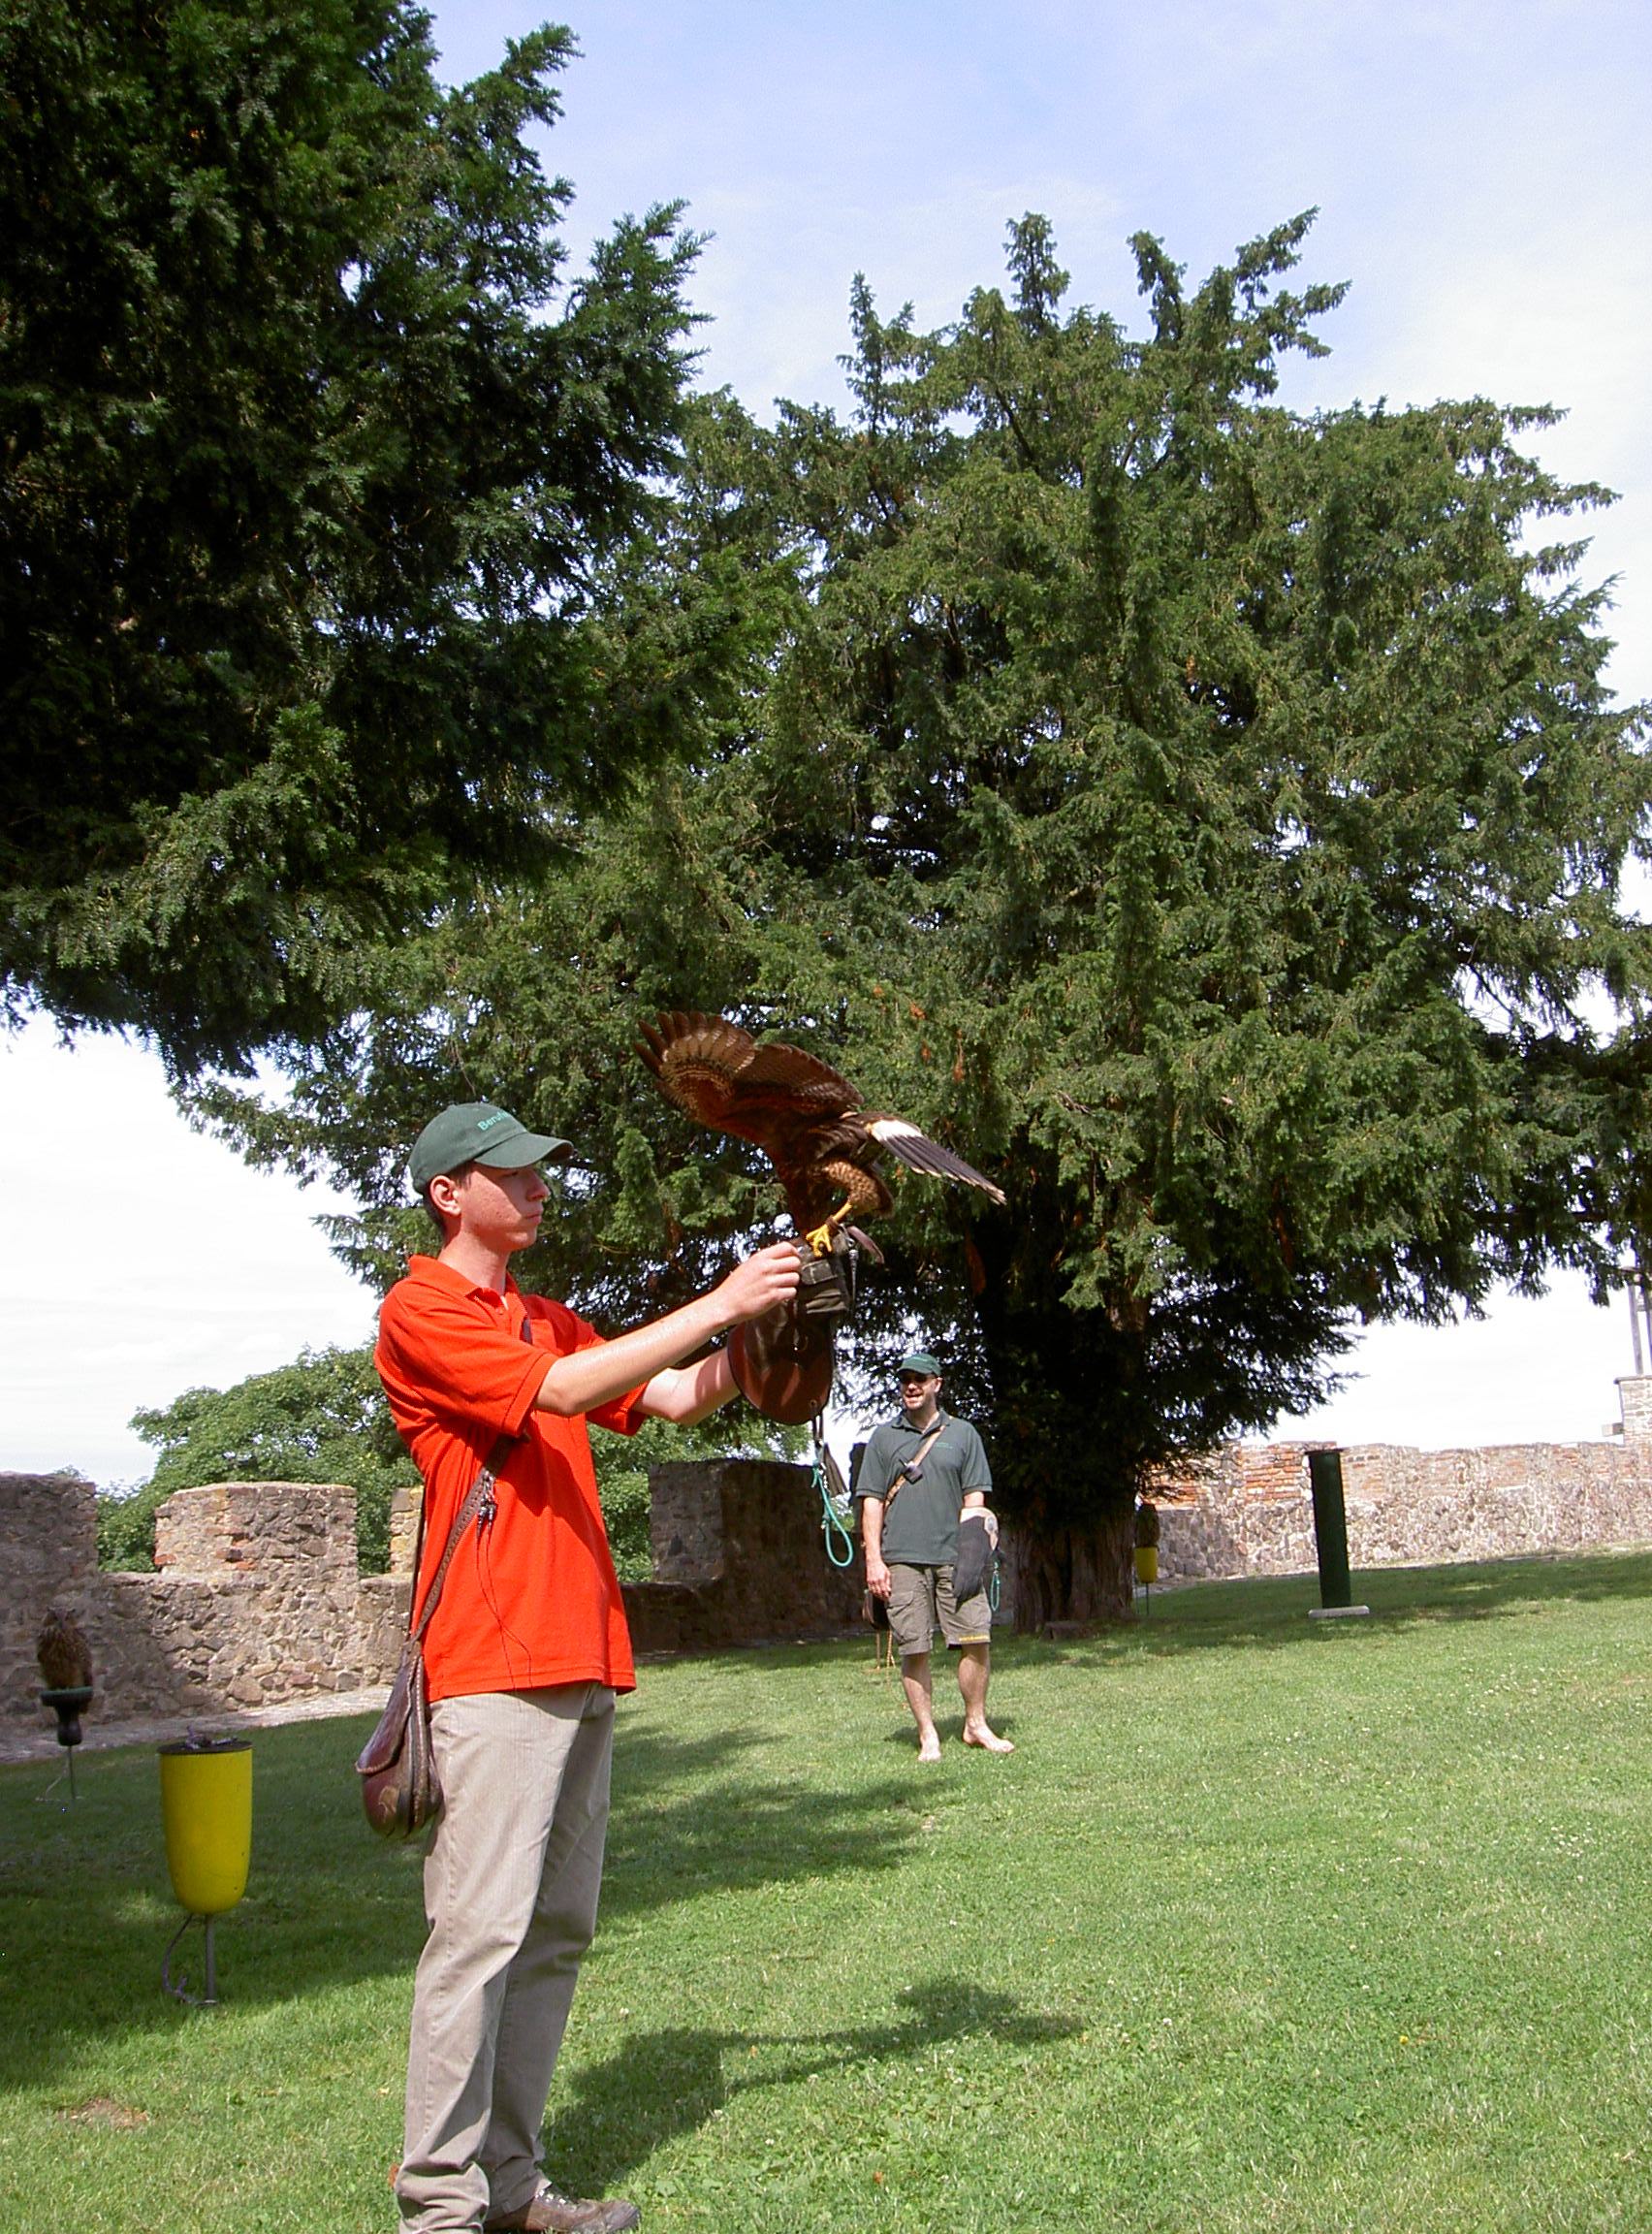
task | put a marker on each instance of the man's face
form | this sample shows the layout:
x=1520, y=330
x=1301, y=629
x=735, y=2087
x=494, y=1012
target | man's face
x=498, y=1208
x=918, y=1391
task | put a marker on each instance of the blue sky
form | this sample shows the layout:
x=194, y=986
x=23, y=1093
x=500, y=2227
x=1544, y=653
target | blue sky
x=1483, y=182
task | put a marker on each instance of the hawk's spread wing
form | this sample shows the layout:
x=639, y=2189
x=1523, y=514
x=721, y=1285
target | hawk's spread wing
x=805, y=1118
x=723, y=1079
x=909, y=1147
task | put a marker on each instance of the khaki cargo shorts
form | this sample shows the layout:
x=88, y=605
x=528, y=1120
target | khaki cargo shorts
x=921, y=1601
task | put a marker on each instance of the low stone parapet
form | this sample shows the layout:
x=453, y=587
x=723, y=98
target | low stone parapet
x=745, y=1536
x=257, y=1598
x=258, y=1528
x=1249, y=1511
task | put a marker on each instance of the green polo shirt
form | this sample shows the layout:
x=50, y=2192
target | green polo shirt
x=920, y=1522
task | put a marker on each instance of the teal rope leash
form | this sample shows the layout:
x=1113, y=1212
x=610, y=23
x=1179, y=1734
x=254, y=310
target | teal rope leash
x=834, y=1506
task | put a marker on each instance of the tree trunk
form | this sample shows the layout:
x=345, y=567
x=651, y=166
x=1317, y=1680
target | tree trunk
x=1071, y=1571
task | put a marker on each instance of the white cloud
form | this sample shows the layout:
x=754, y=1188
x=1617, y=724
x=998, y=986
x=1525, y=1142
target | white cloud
x=144, y=1258
x=1534, y=1371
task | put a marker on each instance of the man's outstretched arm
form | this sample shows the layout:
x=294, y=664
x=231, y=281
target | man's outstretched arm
x=587, y=1378
x=686, y=1393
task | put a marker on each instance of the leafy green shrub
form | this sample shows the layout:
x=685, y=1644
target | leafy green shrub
x=624, y=1494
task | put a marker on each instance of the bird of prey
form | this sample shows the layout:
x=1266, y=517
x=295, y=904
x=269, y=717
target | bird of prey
x=64, y=1655
x=812, y=1123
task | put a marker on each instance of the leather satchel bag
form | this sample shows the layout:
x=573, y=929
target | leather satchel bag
x=398, y=1765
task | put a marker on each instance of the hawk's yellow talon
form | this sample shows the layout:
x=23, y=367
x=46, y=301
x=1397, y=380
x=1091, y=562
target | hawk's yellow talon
x=820, y=1240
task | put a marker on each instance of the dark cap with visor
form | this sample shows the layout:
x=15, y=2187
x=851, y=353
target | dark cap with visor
x=477, y=1132
x=920, y=1363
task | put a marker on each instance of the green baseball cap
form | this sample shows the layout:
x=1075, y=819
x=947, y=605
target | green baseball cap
x=921, y=1363
x=477, y=1132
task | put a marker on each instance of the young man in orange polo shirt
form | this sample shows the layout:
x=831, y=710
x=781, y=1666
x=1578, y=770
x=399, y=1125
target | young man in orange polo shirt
x=525, y=1654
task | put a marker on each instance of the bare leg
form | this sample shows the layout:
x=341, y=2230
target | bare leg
x=975, y=1662
x=915, y=1678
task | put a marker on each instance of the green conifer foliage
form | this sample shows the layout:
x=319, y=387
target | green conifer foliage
x=1211, y=817
x=314, y=472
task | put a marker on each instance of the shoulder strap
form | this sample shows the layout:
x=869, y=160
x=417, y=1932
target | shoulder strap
x=480, y=1495
x=914, y=1465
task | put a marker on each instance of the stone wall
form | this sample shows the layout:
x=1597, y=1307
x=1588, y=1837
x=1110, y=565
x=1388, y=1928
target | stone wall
x=738, y=1559
x=1635, y=1402
x=48, y=1557
x=1249, y=1511
x=257, y=1600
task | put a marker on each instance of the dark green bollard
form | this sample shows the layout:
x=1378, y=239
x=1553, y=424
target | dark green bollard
x=1330, y=1529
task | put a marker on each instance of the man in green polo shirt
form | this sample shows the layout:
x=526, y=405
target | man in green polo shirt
x=920, y=1473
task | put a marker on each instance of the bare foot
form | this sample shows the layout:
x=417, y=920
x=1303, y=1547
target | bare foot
x=987, y=1741
x=928, y=1749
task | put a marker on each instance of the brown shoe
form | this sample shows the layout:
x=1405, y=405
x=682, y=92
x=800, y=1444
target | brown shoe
x=548, y=2213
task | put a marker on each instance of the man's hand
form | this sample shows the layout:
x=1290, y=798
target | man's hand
x=650, y=1357
x=876, y=1574
x=759, y=1282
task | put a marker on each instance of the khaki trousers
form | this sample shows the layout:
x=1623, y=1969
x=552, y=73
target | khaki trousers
x=511, y=1885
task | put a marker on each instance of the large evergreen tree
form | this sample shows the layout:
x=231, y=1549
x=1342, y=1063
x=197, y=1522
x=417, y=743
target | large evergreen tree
x=316, y=475
x=1211, y=817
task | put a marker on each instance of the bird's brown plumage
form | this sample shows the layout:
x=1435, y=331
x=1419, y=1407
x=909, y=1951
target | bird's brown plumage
x=64, y=1655
x=808, y=1120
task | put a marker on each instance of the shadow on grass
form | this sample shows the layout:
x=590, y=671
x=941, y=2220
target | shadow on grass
x=1273, y=1611
x=732, y=1833
x=664, y=2083
x=86, y=1908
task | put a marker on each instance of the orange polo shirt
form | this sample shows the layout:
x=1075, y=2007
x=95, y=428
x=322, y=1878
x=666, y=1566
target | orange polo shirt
x=531, y=1598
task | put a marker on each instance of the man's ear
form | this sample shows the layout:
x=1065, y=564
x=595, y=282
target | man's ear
x=443, y=1195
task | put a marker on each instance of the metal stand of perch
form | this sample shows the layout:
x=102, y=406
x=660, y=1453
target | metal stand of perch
x=67, y=1706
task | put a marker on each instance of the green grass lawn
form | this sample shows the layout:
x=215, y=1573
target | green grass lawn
x=1267, y=1924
